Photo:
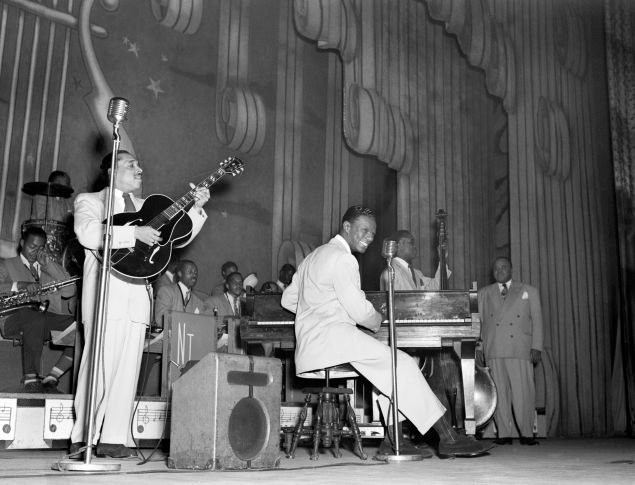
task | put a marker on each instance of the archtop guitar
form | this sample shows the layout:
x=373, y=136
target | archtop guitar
x=170, y=219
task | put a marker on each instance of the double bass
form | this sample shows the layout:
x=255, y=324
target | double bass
x=442, y=368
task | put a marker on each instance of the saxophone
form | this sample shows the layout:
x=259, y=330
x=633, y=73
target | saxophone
x=22, y=299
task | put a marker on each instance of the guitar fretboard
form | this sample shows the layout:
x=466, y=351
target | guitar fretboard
x=168, y=214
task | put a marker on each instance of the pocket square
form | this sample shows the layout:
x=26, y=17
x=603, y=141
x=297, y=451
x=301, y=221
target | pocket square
x=525, y=295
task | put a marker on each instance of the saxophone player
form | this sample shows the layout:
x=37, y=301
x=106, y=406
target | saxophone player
x=26, y=273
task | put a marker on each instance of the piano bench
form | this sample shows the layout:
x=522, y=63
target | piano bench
x=333, y=409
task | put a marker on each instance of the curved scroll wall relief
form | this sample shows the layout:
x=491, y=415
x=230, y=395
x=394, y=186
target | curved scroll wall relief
x=484, y=42
x=99, y=98
x=569, y=40
x=333, y=25
x=293, y=252
x=373, y=127
x=180, y=15
x=552, y=139
x=241, y=119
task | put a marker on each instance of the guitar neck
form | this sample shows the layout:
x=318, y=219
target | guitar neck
x=185, y=200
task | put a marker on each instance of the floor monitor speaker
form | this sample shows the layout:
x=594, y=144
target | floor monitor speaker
x=226, y=414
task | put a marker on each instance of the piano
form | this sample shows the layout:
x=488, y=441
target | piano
x=430, y=319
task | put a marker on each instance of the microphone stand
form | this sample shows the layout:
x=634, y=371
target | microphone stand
x=396, y=457
x=98, y=329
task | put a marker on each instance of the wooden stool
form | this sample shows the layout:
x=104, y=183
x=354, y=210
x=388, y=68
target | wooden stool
x=330, y=414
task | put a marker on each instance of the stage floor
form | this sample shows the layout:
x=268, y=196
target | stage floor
x=554, y=461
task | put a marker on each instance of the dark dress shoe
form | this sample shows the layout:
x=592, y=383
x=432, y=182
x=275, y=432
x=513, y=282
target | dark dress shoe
x=115, y=451
x=33, y=387
x=462, y=447
x=528, y=441
x=76, y=451
x=50, y=387
x=406, y=447
x=503, y=441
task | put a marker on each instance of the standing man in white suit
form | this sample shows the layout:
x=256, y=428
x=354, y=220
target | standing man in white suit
x=326, y=296
x=128, y=310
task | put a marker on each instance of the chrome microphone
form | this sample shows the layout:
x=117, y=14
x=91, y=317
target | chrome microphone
x=118, y=110
x=389, y=249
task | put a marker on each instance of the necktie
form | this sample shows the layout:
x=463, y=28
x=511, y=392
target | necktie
x=236, y=307
x=412, y=272
x=34, y=272
x=128, y=206
x=504, y=290
x=186, y=299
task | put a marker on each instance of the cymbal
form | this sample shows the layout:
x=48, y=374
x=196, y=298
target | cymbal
x=47, y=188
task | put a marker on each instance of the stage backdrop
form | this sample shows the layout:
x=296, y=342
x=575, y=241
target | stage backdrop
x=493, y=110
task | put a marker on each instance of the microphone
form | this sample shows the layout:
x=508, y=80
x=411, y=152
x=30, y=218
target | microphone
x=118, y=110
x=389, y=249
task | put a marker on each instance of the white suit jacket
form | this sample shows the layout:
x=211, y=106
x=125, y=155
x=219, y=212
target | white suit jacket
x=326, y=296
x=131, y=293
x=404, y=281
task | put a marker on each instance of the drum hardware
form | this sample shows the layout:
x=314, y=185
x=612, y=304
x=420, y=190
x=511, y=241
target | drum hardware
x=47, y=189
x=57, y=231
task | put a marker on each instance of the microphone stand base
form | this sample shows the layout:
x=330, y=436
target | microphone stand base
x=80, y=466
x=392, y=458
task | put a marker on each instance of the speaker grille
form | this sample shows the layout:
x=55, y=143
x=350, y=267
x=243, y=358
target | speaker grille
x=248, y=428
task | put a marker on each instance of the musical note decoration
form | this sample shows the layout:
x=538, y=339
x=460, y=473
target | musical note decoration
x=151, y=419
x=59, y=417
x=8, y=418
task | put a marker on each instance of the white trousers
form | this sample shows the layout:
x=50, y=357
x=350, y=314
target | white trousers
x=118, y=368
x=416, y=400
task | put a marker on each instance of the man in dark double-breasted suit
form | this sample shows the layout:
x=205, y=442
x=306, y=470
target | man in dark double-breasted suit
x=511, y=332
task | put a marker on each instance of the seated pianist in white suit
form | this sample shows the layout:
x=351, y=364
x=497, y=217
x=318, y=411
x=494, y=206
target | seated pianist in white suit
x=326, y=296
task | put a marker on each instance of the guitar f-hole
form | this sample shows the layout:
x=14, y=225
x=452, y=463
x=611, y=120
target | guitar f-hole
x=154, y=251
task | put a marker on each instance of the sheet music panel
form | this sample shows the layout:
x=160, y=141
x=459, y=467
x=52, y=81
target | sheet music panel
x=59, y=418
x=8, y=408
x=189, y=337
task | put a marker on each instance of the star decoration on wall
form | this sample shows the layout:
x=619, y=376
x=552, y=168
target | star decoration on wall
x=164, y=58
x=155, y=87
x=126, y=41
x=134, y=48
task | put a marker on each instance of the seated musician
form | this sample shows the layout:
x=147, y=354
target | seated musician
x=326, y=296
x=284, y=276
x=167, y=277
x=406, y=276
x=250, y=283
x=226, y=269
x=176, y=294
x=26, y=273
x=227, y=304
x=180, y=296
x=270, y=287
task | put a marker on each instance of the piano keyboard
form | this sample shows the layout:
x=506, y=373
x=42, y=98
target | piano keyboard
x=409, y=321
